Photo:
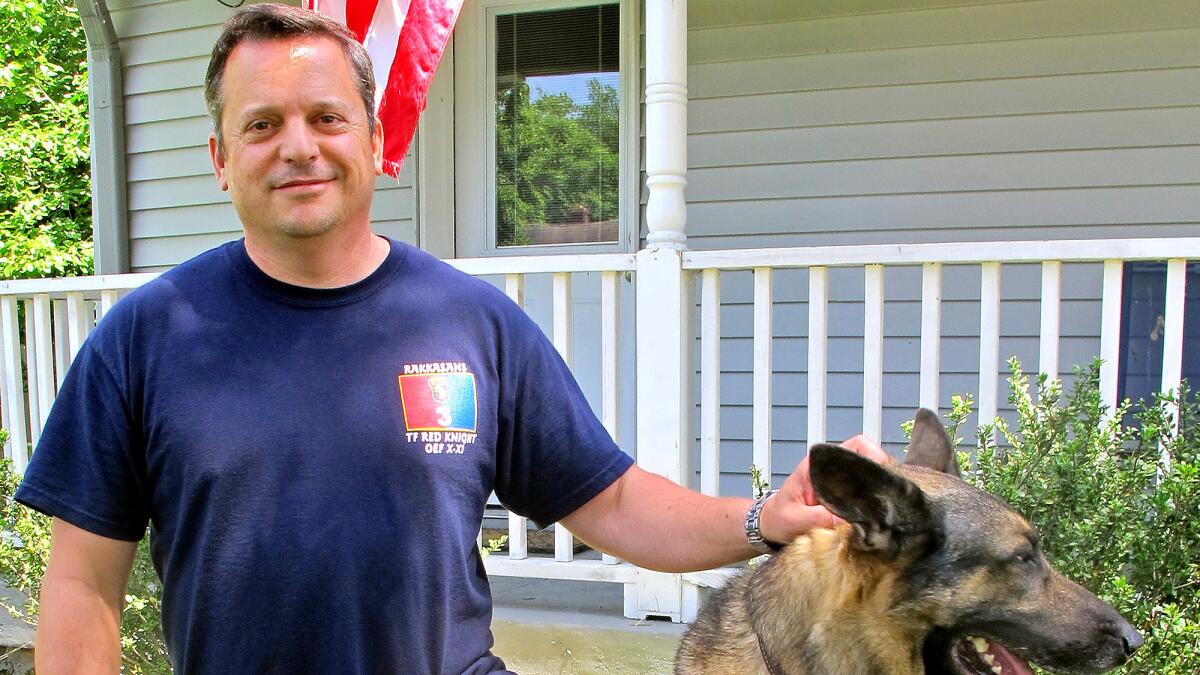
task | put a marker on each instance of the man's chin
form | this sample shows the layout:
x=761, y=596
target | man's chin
x=306, y=228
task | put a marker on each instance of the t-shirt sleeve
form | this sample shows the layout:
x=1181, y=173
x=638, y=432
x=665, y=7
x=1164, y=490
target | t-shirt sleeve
x=83, y=469
x=553, y=454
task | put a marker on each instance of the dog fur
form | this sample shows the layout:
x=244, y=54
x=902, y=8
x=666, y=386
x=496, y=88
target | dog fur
x=923, y=564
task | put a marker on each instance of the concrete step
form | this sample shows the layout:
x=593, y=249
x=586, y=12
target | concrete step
x=576, y=628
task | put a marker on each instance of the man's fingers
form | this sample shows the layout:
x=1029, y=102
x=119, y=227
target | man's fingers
x=867, y=447
x=815, y=517
x=807, y=495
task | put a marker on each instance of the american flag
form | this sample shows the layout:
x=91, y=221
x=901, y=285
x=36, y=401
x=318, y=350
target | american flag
x=405, y=39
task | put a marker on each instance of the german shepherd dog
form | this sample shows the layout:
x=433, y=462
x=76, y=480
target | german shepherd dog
x=927, y=575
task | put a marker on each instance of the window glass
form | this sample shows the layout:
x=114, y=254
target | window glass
x=1143, y=307
x=557, y=106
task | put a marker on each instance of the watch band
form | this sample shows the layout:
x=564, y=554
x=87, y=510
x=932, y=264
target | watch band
x=754, y=534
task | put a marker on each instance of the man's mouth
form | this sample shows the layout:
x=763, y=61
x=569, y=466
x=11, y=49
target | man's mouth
x=974, y=655
x=303, y=184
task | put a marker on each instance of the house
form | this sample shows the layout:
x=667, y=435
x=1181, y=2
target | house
x=884, y=200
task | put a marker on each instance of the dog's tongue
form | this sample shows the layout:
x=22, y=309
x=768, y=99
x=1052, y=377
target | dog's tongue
x=1010, y=664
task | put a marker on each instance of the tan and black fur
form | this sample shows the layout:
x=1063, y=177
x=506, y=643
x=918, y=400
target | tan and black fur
x=923, y=562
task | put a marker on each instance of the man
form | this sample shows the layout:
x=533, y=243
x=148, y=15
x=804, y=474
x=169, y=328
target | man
x=311, y=419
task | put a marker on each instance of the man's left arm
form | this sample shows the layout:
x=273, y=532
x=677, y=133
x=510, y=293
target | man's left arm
x=657, y=524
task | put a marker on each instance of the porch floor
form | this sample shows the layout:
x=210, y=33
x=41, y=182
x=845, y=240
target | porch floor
x=576, y=627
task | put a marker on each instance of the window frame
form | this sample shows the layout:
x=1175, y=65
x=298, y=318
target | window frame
x=475, y=124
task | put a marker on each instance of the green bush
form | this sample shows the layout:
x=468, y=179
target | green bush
x=1118, y=507
x=24, y=552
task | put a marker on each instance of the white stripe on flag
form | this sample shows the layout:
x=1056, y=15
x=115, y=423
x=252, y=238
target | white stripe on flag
x=382, y=39
x=334, y=9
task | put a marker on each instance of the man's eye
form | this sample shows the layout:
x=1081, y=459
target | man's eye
x=261, y=125
x=328, y=119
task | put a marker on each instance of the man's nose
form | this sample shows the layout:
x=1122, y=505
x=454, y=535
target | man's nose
x=298, y=143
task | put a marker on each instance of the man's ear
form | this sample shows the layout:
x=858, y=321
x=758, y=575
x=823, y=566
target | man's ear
x=889, y=514
x=377, y=147
x=218, y=162
x=930, y=446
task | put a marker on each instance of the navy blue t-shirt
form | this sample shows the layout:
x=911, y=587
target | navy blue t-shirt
x=314, y=464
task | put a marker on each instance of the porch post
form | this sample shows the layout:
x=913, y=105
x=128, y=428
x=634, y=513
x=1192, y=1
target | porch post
x=666, y=122
x=664, y=295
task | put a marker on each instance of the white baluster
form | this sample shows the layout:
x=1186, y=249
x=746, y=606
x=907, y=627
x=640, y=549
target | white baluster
x=818, y=355
x=931, y=334
x=873, y=351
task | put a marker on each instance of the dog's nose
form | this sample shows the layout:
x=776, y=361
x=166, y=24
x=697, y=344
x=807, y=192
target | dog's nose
x=1132, y=639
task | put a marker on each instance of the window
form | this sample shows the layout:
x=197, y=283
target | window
x=545, y=132
x=1143, y=303
x=557, y=122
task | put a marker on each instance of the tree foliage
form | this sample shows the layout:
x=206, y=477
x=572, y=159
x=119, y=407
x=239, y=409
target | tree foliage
x=45, y=186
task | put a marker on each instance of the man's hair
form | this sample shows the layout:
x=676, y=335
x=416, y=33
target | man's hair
x=280, y=22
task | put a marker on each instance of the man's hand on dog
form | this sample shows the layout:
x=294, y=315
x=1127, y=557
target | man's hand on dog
x=795, y=509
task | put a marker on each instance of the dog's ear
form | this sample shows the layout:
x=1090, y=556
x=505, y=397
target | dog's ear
x=889, y=513
x=930, y=446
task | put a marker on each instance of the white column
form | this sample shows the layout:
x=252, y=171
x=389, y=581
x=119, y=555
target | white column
x=664, y=293
x=664, y=404
x=666, y=121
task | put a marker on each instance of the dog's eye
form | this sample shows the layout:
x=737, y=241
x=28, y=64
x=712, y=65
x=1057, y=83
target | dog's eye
x=1026, y=556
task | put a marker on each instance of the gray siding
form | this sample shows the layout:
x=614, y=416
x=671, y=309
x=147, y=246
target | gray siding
x=176, y=210
x=907, y=121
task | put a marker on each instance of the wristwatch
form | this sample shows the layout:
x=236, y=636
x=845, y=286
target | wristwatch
x=754, y=534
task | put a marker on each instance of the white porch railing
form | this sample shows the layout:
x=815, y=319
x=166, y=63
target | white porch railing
x=58, y=315
x=43, y=323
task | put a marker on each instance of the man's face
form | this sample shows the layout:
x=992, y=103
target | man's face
x=298, y=156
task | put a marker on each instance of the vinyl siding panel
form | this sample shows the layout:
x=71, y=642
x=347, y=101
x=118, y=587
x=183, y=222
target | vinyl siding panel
x=176, y=210
x=901, y=120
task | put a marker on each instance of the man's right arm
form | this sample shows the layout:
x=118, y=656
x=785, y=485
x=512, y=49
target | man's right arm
x=83, y=592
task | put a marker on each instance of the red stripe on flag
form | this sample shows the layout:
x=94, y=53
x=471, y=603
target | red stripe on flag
x=424, y=35
x=358, y=19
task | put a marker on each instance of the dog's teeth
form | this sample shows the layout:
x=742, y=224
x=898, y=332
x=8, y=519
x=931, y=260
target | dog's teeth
x=980, y=644
x=997, y=670
x=990, y=660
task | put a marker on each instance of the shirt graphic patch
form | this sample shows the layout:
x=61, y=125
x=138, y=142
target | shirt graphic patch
x=438, y=401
